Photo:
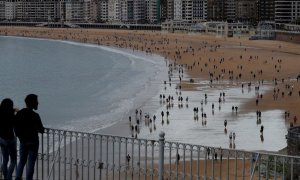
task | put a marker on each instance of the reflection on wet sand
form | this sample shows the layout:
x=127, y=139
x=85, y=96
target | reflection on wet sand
x=212, y=116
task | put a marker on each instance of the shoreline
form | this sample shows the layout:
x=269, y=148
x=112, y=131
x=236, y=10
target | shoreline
x=206, y=52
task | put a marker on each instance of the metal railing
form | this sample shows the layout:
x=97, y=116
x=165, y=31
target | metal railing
x=79, y=155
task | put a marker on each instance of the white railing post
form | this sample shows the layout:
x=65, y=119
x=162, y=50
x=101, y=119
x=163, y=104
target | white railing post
x=161, y=155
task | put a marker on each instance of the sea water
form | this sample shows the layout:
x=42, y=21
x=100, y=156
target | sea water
x=80, y=87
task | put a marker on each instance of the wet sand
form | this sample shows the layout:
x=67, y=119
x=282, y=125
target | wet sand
x=207, y=65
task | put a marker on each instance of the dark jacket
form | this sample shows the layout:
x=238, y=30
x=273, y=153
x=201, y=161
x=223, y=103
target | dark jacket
x=7, y=120
x=28, y=125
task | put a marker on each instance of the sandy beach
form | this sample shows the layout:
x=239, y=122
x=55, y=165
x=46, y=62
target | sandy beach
x=216, y=59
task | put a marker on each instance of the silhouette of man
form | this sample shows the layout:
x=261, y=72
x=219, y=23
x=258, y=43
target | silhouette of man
x=28, y=125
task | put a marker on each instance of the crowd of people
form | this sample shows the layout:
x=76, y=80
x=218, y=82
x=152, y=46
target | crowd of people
x=24, y=124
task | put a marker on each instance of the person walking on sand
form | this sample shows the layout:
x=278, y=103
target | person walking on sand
x=225, y=123
x=28, y=125
x=177, y=158
x=7, y=138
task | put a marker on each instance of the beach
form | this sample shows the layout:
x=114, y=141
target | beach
x=255, y=76
x=209, y=62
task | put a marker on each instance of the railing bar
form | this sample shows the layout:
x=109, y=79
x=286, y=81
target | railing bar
x=119, y=158
x=205, y=163
x=220, y=164
x=113, y=158
x=227, y=165
x=191, y=164
x=145, y=171
x=292, y=168
x=235, y=165
x=243, y=175
x=43, y=155
x=283, y=167
x=76, y=155
x=212, y=164
x=177, y=160
x=107, y=165
x=82, y=155
x=267, y=168
x=258, y=166
x=71, y=155
x=170, y=160
x=275, y=168
x=53, y=163
x=132, y=158
x=100, y=159
x=184, y=148
x=59, y=156
x=198, y=162
x=48, y=155
x=126, y=163
x=139, y=158
x=152, y=159
x=88, y=161
x=65, y=156
x=95, y=155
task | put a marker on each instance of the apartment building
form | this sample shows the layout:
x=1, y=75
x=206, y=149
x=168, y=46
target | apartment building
x=170, y=9
x=139, y=11
x=2, y=10
x=246, y=11
x=74, y=11
x=10, y=10
x=215, y=10
x=103, y=10
x=287, y=11
x=152, y=9
x=190, y=10
x=187, y=10
x=95, y=11
x=199, y=10
x=266, y=10
x=87, y=11
x=114, y=11
x=178, y=10
x=230, y=10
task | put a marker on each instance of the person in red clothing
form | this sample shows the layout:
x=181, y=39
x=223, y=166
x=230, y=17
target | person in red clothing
x=7, y=138
x=28, y=125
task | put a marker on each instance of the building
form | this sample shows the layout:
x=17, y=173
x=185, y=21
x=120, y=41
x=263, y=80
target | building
x=170, y=9
x=10, y=10
x=152, y=9
x=114, y=11
x=287, y=11
x=246, y=12
x=199, y=10
x=74, y=11
x=178, y=10
x=190, y=10
x=266, y=10
x=230, y=10
x=216, y=10
x=95, y=11
x=2, y=10
x=139, y=11
x=103, y=10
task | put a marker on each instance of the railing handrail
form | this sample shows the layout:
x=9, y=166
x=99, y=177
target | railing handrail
x=186, y=144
